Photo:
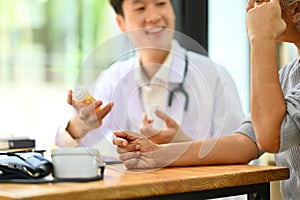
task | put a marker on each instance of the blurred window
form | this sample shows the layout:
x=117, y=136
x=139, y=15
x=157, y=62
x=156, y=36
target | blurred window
x=42, y=44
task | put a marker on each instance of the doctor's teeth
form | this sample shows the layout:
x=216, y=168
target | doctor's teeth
x=154, y=30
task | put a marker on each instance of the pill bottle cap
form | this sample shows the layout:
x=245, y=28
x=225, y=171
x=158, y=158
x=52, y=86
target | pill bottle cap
x=79, y=93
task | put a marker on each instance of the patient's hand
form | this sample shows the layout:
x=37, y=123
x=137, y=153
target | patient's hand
x=136, y=150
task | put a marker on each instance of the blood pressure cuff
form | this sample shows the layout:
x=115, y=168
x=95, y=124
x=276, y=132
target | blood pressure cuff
x=24, y=166
x=32, y=168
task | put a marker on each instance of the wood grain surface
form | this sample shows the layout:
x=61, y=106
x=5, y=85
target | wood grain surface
x=119, y=183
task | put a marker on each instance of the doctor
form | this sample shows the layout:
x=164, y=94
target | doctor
x=196, y=93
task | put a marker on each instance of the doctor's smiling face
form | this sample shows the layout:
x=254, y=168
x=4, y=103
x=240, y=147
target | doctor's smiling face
x=148, y=21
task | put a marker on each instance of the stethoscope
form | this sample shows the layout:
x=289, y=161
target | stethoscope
x=180, y=87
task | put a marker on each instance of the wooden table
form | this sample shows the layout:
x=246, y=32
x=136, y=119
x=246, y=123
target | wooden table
x=200, y=182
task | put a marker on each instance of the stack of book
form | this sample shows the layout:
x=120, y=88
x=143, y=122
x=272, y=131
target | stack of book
x=16, y=143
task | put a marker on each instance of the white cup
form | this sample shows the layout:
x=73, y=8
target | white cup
x=75, y=162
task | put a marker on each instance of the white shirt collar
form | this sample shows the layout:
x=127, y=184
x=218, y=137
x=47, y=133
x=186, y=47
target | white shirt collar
x=173, y=70
x=161, y=76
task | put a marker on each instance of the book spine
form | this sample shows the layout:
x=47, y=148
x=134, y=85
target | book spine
x=17, y=144
x=4, y=145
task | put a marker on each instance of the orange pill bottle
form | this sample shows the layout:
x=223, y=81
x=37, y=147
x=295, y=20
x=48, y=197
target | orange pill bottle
x=82, y=97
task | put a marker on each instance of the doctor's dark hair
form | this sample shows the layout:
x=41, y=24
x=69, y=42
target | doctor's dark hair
x=117, y=6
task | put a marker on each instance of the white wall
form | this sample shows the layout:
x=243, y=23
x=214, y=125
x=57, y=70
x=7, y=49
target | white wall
x=228, y=42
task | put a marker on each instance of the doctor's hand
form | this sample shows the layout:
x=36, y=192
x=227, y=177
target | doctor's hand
x=171, y=132
x=88, y=117
x=264, y=20
x=136, y=150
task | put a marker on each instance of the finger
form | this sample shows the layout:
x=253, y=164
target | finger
x=127, y=135
x=275, y=1
x=120, y=142
x=128, y=148
x=69, y=99
x=129, y=155
x=76, y=106
x=256, y=3
x=149, y=131
x=121, y=150
x=259, y=2
x=121, y=134
x=105, y=110
x=132, y=135
x=131, y=163
x=168, y=120
x=91, y=108
x=144, y=120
